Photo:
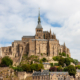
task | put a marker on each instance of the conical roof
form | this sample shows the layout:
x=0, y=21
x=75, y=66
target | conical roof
x=39, y=22
x=39, y=26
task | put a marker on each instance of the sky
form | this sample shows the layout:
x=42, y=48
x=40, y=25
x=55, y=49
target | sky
x=19, y=18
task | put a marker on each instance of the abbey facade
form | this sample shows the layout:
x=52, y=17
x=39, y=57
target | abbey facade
x=43, y=42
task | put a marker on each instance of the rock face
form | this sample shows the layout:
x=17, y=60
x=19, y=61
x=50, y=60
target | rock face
x=43, y=42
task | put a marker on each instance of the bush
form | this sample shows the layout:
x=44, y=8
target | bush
x=6, y=61
x=71, y=59
x=56, y=64
x=51, y=64
x=77, y=66
x=26, y=67
x=17, y=68
x=71, y=70
x=59, y=68
x=60, y=54
x=53, y=69
x=67, y=55
x=61, y=61
x=75, y=61
x=63, y=54
x=44, y=59
x=36, y=67
x=67, y=61
x=65, y=69
x=56, y=58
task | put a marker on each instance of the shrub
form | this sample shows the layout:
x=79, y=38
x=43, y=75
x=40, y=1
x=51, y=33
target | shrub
x=77, y=66
x=71, y=70
x=17, y=68
x=44, y=59
x=67, y=55
x=26, y=67
x=71, y=59
x=51, y=64
x=65, y=69
x=53, y=69
x=36, y=67
x=6, y=61
x=61, y=61
x=59, y=68
x=75, y=61
x=67, y=61
x=63, y=54
x=60, y=54
x=56, y=58
x=56, y=64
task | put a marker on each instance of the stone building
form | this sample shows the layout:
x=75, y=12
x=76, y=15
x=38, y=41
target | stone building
x=43, y=75
x=43, y=42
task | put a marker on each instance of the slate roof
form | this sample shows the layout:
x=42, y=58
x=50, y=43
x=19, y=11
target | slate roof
x=46, y=63
x=45, y=72
x=39, y=26
x=59, y=73
x=45, y=31
x=28, y=37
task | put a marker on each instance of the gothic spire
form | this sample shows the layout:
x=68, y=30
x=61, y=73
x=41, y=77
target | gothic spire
x=39, y=20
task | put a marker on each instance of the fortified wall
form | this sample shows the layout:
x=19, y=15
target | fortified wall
x=43, y=42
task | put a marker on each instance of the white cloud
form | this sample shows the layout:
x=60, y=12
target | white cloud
x=19, y=17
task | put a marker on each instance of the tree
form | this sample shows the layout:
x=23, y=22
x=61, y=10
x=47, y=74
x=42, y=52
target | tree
x=51, y=64
x=53, y=69
x=61, y=61
x=67, y=61
x=59, y=68
x=71, y=70
x=75, y=61
x=56, y=58
x=65, y=69
x=63, y=54
x=6, y=61
x=44, y=59
x=26, y=67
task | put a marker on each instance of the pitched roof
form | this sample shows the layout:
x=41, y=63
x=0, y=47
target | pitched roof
x=45, y=72
x=28, y=37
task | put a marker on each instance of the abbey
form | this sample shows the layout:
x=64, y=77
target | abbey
x=43, y=42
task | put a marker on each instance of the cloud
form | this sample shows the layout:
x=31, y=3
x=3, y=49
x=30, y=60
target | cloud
x=19, y=17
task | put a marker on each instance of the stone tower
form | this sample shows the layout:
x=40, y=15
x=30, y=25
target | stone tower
x=39, y=29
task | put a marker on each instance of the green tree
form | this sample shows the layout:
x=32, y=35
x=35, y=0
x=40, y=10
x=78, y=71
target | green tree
x=26, y=67
x=61, y=61
x=44, y=59
x=59, y=68
x=75, y=61
x=67, y=61
x=56, y=58
x=65, y=69
x=51, y=64
x=6, y=61
x=63, y=54
x=71, y=70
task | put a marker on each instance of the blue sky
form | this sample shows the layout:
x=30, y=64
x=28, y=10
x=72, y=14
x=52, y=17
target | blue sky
x=19, y=17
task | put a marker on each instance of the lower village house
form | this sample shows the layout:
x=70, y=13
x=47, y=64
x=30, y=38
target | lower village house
x=43, y=42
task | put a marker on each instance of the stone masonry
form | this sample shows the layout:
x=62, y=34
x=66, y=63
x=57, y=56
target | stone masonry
x=43, y=42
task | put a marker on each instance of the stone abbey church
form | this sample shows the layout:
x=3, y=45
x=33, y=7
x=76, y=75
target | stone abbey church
x=43, y=42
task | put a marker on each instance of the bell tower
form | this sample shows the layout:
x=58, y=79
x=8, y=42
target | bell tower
x=39, y=29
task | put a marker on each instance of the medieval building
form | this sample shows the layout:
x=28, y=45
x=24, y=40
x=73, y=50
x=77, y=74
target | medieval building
x=43, y=42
